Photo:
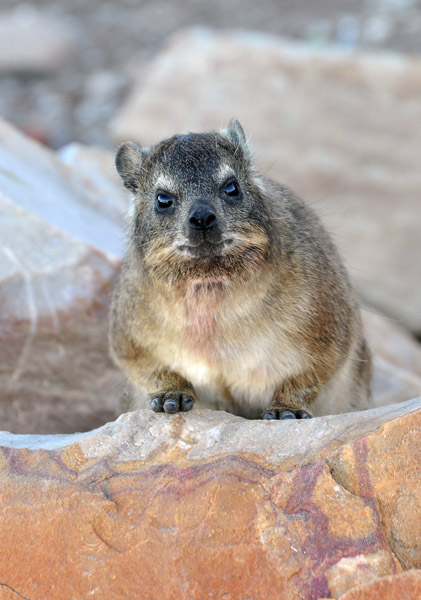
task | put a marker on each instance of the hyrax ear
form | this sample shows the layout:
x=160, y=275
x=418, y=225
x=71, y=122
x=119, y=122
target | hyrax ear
x=235, y=133
x=128, y=161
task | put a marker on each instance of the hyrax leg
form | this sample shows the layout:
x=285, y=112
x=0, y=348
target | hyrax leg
x=172, y=393
x=293, y=398
x=166, y=391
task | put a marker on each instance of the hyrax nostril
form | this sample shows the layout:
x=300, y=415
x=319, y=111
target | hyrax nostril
x=202, y=216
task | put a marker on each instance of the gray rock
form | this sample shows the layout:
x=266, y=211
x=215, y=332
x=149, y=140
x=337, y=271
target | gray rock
x=35, y=179
x=392, y=342
x=55, y=287
x=396, y=360
x=205, y=434
x=93, y=171
x=32, y=42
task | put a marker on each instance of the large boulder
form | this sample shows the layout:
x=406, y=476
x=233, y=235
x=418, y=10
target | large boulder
x=208, y=505
x=61, y=193
x=340, y=127
x=60, y=248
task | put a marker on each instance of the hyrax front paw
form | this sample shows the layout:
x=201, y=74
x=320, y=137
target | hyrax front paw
x=280, y=414
x=171, y=402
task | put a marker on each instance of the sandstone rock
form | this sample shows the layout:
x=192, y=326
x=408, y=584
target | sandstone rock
x=394, y=484
x=55, y=285
x=394, y=587
x=31, y=42
x=337, y=126
x=7, y=594
x=211, y=505
x=356, y=570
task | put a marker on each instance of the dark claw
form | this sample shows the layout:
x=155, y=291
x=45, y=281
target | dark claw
x=301, y=414
x=170, y=405
x=155, y=404
x=171, y=402
x=287, y=414
x=270, y=415
x=280, y=414
x=188, y=404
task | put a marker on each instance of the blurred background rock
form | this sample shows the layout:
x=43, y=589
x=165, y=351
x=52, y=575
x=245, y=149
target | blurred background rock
x=67, y=65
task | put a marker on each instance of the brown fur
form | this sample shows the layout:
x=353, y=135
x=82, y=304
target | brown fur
x=255, y=315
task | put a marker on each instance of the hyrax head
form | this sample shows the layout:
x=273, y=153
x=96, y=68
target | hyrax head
x=199, y=209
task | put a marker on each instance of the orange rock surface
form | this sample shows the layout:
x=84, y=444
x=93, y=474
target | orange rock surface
x=405, y=586
x=82, y=520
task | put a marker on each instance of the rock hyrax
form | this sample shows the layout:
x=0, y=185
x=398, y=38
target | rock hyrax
x=232, y=294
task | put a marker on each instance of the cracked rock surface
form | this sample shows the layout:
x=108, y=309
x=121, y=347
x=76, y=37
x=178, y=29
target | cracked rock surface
x=209, y=505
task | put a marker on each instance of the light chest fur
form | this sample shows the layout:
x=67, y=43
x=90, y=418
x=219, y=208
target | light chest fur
x=221, y=342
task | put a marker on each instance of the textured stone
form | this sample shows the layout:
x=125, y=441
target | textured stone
x=209, y=505
x=7, y=594
x=356, y=570
x=337, y=126
x=395, y=484
x=404, y=586
x=55, y=286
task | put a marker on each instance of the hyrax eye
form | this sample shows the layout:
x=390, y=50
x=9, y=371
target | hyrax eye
x=232, y=190
x=163, y=202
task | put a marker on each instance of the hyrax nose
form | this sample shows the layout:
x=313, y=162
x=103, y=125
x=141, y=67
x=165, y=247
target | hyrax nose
x=202, y=215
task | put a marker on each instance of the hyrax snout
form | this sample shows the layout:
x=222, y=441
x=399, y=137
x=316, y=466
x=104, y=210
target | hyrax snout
x=232, y=295
x=202, y=218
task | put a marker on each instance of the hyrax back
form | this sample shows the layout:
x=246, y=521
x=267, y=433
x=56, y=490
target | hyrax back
x=231, y=295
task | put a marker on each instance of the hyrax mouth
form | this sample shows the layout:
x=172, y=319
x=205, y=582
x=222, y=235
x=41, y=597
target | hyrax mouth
x=206, y=249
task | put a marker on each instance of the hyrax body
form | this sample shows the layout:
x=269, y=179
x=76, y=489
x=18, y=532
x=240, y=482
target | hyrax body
x=231, y=295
